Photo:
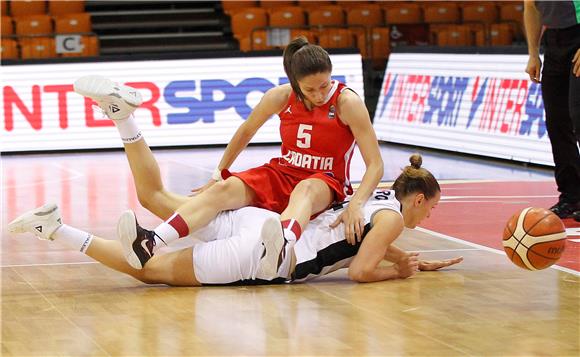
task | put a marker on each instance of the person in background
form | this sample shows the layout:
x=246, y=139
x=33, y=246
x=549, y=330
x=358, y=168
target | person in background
x=560, y=81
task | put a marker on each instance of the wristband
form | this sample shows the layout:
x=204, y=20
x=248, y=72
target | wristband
x=217, y=175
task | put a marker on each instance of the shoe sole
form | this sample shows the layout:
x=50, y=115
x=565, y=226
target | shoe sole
x=273, y=241
x=127, y=233
x=98, y=88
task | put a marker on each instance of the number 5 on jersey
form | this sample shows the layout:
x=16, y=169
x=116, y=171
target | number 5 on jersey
x=304, y=135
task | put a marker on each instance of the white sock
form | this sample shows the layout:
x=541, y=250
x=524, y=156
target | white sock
x=128, y=129
x=165, y=232
x=289, y=235
x=284, y=269
x=74, y=238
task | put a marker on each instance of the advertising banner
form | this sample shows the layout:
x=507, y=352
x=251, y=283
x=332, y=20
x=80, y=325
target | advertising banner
x=477, y=104
x=186, y=102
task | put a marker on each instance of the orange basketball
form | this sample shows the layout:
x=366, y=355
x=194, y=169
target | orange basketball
x=534, y=238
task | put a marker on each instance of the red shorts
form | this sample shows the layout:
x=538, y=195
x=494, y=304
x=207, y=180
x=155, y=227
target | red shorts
x=273, y=184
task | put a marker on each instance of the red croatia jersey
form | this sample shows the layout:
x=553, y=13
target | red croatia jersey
x=316, y=140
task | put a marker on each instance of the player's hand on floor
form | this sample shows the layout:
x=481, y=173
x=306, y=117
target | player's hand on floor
x=430, y=265
x=408, y=265
x=354, y=223
x=197, y=191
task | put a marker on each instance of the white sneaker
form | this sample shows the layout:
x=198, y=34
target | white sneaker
x=116, y=100
x=42, y=222
x=274, y=243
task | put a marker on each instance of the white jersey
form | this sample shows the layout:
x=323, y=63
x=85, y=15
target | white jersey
x=231, y=247
x=322, y=250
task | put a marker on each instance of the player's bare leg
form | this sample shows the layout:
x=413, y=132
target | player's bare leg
x=45, y=223
x=308, y=197
x=119, y=102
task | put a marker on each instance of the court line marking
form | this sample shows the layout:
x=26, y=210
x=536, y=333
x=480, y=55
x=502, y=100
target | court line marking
x=488, y=249
x=484, y=201
x=498, y=197
x=63, y=315
x=387, y=184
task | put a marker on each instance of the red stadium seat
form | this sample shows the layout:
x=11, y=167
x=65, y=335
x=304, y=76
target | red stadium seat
x=287, y=17
x=512, y=12
x=441, y=13
x=258, y=41
x=310, y=4
x=270, y=4
x=233, y=7
x=480, y=12
x=347, y=5
x=336, y=38
x=326, y=16
x=9, y=49
x=7, y=26
x=455, y=35
x=407, y=13
x=380, y=44
x=310, y=35
x=501, y=35
x=38, y=47
x=33, y=25
x=73, y=23
x=27, y=8
x=61, y=7
x=246, y=20
x=368, y=16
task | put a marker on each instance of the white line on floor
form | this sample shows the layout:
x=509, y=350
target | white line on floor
x=487, y=249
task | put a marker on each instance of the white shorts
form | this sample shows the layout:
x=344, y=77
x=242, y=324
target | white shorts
x=223, y=257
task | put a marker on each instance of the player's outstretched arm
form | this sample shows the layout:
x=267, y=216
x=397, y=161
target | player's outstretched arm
x=395, y=255
x=430, y=265
x=387, y=226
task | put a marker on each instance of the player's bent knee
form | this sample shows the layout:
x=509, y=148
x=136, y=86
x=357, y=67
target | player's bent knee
x=309, y=190
x=224, y=194
x=147, y=198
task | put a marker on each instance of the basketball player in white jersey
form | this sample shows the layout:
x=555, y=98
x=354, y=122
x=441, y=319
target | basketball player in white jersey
x=231, y=247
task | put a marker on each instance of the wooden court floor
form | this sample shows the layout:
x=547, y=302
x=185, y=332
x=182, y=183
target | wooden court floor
x=59, y=303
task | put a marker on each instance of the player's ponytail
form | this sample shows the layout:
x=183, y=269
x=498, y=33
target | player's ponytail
x=415, y=179
x=302, y=59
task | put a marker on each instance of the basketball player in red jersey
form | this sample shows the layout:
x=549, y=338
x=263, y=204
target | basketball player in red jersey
x=321, y=121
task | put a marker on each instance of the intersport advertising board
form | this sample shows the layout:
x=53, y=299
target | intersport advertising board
x=477, y=104
x=186, y=102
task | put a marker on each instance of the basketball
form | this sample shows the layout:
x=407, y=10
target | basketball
x=534, y=238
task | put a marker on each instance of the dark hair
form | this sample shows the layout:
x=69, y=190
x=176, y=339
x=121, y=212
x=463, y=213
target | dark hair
x=415, y=179
x=302, y=59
